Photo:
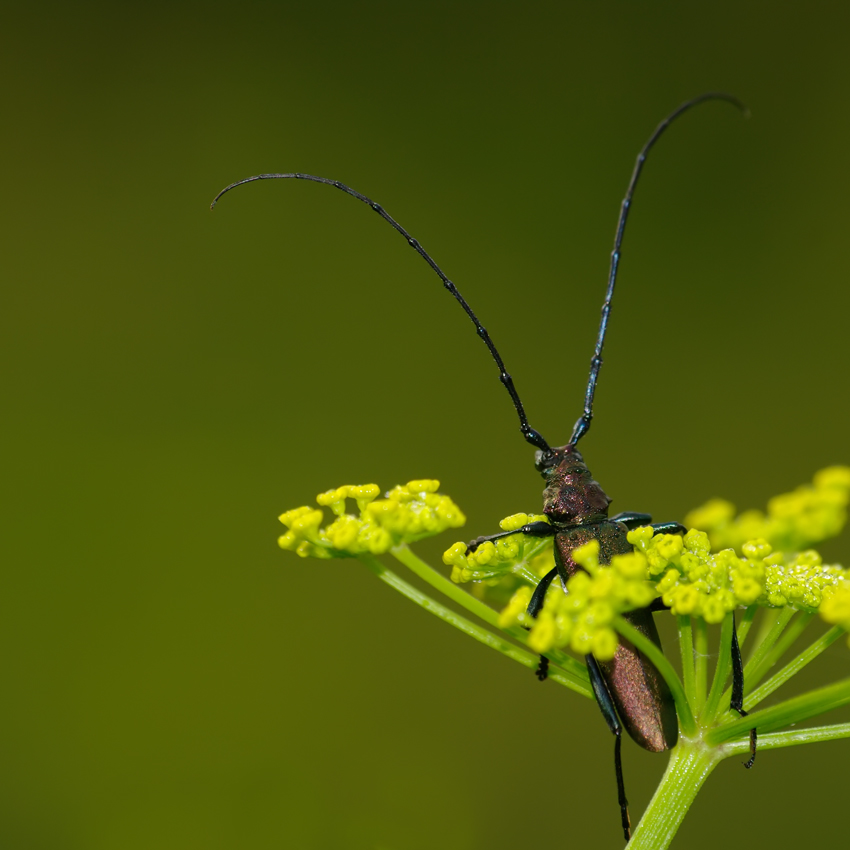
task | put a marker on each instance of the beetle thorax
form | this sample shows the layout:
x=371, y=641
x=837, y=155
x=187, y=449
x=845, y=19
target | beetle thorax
x=572, y=496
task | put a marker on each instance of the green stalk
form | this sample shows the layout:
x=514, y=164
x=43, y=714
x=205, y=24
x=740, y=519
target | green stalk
x=486, y=637
x=690, y=764
x=448, y=588
x=745, y=624
x=700, y=660
x=686, y=644
x=721, y=670
x=770, y=630
x=795, y=629
x=766, y=622
x=785, y=713
x=793, y=667
x=815, y=735
x=665, y=668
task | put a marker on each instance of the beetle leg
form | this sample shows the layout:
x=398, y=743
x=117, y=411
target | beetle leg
x=534, y=607
x=631, y=520
x=606, y=705
x=532, y=529
x=737, y=701
x=543, y=669
x=668, y=528
x=540, y=593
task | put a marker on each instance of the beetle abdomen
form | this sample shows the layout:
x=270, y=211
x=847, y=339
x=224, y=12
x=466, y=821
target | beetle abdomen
x=643, y=700
x=641, y=696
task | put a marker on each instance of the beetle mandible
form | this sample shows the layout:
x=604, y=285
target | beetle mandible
x=629, y=690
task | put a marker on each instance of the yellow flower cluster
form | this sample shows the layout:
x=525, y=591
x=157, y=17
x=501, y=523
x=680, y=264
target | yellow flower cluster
x=692, y=580
x=582, y=618
x=687, y=572
x=835, y=607
x=407, y=514
x=794, y=521
x=494, y=559
x=689, y=578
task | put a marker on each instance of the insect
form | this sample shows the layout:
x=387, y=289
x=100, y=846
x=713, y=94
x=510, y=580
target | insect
x=629, y=690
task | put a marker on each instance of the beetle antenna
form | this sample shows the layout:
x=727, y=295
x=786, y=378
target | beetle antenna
x=528, y=432
x=583, y=425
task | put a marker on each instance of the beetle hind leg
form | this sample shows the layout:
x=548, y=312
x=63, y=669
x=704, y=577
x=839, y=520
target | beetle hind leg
x=606, y=705
x=737, y=701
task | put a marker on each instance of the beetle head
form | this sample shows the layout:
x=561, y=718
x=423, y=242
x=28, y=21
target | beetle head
x=572, y=495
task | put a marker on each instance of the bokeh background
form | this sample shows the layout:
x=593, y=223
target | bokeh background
x=174, y=379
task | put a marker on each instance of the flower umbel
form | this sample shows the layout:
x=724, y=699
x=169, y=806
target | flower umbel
x=409, y=513
x=758, y=562
x=793, y=521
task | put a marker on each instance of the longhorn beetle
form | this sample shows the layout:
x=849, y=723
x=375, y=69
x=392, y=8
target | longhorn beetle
x=630, y=691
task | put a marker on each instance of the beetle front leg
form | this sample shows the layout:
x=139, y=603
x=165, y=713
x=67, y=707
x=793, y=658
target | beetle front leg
x=539, y=594
x=534, y=606
x=668, y=528
x=633, y=520
x=532, y=529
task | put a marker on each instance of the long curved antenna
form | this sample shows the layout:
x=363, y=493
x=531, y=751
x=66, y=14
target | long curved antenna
x=582, y=426
x=527, y=431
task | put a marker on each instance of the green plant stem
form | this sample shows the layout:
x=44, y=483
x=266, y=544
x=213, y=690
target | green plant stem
x=793, y=667
x=721, y=670
x=486, y=637
x=690, y=764
x=745, y=624
x=665, y=668
x=766, y=622
x=775, y=740
x=785, y=713
x=448, y=588
x=700, y=660
x=795, y=628
x=771, y=627
x=686, y=644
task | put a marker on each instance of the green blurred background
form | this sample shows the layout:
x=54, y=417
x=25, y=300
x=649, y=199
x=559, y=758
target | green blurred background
x=174, y=379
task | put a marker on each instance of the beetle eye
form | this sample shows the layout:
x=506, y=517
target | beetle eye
x=543, y=461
